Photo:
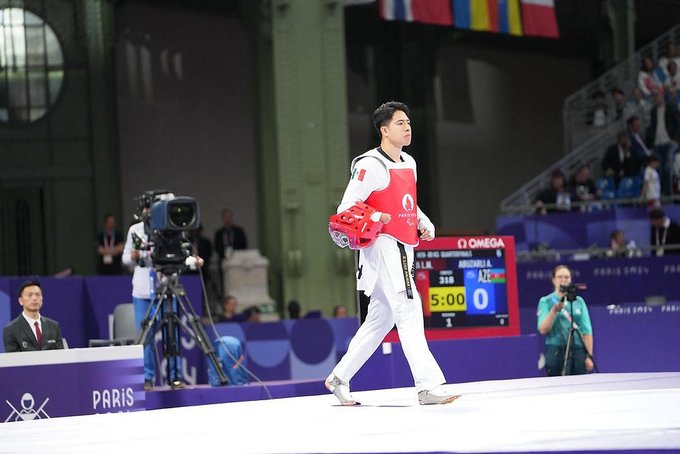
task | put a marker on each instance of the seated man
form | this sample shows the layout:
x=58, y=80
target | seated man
x=229, y=306
x=30, y=331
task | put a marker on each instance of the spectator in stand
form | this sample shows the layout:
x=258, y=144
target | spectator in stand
x=619, y=160
x=619, y=100
x=663, y=136
x=651, y=187
x=339, y=311
x=229, y=308
x=647, y=81
x=293, y=309
x=665, y=232
x=583, y=189
x=110, y=244
x=619, y=247
x=253, y=314
x=228, y=238
x=672, y=85
x=671, y=56
x=638, y=106
x=617, y=244
x=598, y=116
x=555, y=198
x=637, y=145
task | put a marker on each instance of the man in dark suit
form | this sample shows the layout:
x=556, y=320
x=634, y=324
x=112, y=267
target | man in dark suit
x=230, y=236
x=227, y=239
x=664, y=233
x=619, y=161
x=30, y=331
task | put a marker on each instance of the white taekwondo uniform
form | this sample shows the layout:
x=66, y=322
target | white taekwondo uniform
x=385, y=267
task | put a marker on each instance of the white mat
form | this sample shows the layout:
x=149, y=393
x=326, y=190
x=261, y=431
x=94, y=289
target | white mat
x=600, y=411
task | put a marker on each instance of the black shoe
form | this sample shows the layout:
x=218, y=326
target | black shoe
x=148, y=385
x=177, y=384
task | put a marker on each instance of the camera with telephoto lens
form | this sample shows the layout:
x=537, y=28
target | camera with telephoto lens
x=569, y=291
x=167, y=219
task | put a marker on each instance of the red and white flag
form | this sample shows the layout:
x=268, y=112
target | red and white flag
x=539, y=19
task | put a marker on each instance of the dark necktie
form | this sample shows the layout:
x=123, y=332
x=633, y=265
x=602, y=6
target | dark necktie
x=38, y=333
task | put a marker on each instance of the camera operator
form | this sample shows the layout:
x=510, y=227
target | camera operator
x=555, y=312
x=139, y=255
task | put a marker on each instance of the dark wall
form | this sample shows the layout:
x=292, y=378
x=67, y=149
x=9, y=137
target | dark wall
x=500, y=123
x=186, y=110
x=496, y=109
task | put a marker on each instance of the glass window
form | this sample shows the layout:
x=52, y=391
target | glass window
x=31, y=66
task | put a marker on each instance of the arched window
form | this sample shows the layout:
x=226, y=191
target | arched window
x=31, y=66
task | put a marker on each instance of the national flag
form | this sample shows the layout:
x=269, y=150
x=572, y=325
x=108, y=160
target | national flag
x=539, y=19
x=509, y=17
x=497, y=275
x=436, y=12
x=359, y=174
x=499, y=16
x=514, y=17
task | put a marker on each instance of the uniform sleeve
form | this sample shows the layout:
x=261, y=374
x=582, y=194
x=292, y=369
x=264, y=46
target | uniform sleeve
x=127, y=250
x=368, y=175
x=584, y=324
x=543, y=310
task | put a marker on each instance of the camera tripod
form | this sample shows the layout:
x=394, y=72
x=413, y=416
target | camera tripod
x=573, y=329
x=170, y=301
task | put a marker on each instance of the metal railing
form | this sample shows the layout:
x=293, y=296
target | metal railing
x=584, y=142
x=557, y=255
x=588, y=206
x=590, y=152
x=578, y=106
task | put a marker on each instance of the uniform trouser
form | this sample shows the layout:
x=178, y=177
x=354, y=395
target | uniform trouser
x=554, y=360
x=141, y=306
x=386, y=308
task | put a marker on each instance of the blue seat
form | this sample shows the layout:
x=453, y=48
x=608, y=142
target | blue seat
x=607, y=188
x=629, y=187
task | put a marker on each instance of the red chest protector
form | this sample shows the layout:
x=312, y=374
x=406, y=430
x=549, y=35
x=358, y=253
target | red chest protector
x=399, y=199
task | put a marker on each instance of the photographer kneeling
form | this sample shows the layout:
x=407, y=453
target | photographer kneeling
x=557, y=312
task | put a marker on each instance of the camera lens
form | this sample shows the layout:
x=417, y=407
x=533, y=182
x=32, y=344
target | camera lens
x=181, y=214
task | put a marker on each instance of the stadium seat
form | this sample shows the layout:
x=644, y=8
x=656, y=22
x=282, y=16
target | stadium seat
x=606, y=187
x=629, y=187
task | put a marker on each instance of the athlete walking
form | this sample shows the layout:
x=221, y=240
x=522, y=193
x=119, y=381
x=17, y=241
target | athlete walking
x=382, y=193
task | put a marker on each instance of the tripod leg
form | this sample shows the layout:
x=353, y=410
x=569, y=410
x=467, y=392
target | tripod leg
x=567, y=351
x=201, y=336
x=171, y=340
x=147, y=323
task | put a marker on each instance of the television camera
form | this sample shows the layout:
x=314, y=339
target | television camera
x=570, y=290
x=166, y=219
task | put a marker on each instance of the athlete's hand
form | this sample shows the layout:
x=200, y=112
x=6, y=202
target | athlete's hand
x=425, y=235
x=385, y=218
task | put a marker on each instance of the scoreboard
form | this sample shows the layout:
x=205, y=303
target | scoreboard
x=468, y=287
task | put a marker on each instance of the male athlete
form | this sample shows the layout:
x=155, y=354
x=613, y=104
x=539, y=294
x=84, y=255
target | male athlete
x=379, y=215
